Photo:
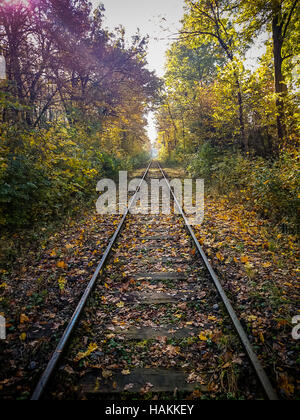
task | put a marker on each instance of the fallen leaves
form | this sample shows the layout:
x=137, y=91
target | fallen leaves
x=23, y=319
x=259, y=272
x=82, y=355
x=42, y=291
x=286, y=385
x=62, y=281
x=244, y=259
x=173, y=350
x=146, y=389
x=195, y=378
x=220, y=257
x=205, y=336
x=267, y=265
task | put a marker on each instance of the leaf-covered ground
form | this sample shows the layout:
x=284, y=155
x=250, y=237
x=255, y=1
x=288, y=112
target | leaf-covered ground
x=257, y=267
x=39, y=295
x=126, y=328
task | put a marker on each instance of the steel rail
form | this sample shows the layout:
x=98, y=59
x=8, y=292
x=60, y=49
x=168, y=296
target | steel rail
x=259, y=370
x=46, y=376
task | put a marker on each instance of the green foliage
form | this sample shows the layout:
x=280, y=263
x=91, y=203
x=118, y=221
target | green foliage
x=202, y=164
x=271, y=188
x=235, y=126
x=138, y=160
x=275, y=189
x=45, y=174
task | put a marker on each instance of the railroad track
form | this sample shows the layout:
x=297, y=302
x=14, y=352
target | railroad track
x=155, y=319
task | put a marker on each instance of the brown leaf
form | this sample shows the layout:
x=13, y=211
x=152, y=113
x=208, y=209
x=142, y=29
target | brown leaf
x=107, y=374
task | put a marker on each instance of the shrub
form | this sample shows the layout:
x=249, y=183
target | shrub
x=45, y=173
x=271, y=188
x=202, y=164
x=275, y=189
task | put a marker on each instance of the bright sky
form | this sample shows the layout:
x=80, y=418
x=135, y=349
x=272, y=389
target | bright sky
x=146, y=15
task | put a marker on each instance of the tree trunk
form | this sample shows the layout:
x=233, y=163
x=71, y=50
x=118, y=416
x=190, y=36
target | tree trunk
x=244, y=137
x=280, y=84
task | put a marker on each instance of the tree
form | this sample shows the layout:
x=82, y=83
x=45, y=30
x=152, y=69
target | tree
x=210, y=20
x=281, y=18
x=185, y=116
x=62, y=64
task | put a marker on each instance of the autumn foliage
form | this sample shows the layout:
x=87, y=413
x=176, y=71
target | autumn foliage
x=234, y=124
x=72, y=108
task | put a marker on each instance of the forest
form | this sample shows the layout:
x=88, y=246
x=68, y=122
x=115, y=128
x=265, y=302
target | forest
x=73, y=106
x=236, y=126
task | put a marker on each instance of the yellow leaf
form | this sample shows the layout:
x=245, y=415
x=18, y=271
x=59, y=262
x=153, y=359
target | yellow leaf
x=203, y=337
x=125, y=372
x=249, y=265
x=172, y=350
x=23, y=319
x=120, y=305
x=267, y=265
x=286, y=385
x=244, y=259
x=220, y=256
x=92, y=347
x=23, y=336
